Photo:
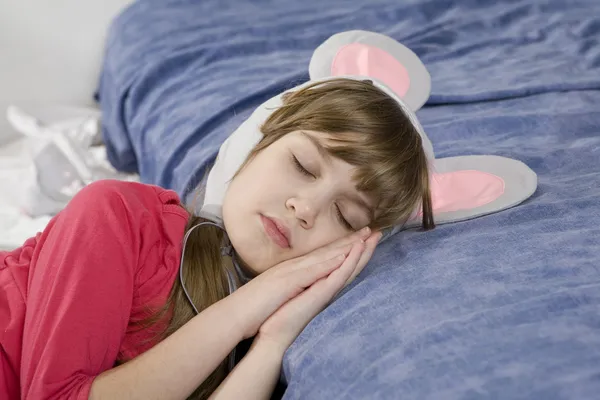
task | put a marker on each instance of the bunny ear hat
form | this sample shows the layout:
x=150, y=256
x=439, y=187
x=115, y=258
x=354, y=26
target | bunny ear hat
x=462, y=187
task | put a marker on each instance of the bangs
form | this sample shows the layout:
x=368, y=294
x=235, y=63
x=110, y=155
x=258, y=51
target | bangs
x=386, y=176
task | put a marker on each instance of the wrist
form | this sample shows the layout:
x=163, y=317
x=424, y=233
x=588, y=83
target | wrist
x=246, y=311
x=270, y=344
x=232, y=309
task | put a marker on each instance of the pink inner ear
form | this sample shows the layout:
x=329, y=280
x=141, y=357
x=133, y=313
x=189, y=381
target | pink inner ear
x=361, y=59
x=464, y=190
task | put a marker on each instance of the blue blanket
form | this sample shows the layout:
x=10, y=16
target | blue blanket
x=506, y=306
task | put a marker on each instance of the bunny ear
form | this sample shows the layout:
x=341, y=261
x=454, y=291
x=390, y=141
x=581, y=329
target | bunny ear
x=468, y=187
x=462, y=187
x=376, y=56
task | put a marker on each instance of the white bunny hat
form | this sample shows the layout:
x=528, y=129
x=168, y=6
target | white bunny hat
x=462, y=187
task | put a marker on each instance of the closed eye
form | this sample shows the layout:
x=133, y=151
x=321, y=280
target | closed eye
x=343, y=220
x=339, y=213
x=300, y=167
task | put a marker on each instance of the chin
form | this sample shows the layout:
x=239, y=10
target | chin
x=256, y=253
x=260, y=257
x=251, y=265
x=247, y=248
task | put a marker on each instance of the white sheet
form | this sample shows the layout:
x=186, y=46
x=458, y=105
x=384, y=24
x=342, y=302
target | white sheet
x=51, y=54
x=18, y=175
x=15, y=168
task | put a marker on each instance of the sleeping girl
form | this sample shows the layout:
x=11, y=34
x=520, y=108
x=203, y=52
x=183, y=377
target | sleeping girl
x=129, y=294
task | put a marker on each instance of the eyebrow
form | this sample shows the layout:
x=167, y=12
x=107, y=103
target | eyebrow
x=327, y=156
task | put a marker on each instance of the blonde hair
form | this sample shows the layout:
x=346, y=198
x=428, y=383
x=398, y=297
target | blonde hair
x=370, y=131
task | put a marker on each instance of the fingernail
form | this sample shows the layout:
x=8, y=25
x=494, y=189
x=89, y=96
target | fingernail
x=365, y=231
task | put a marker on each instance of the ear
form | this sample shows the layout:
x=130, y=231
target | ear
x=374, y=56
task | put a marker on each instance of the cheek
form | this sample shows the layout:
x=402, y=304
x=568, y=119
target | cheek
x=261, y=177
x=241, y=191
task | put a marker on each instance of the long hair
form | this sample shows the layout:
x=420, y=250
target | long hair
x=370, y=131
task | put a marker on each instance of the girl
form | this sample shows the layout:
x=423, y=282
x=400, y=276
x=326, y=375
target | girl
x=93, y=308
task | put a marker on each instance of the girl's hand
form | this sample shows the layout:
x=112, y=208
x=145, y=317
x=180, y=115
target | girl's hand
x=254, y=302
x=282, y=327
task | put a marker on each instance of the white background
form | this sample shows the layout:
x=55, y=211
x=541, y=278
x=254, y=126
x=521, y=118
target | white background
x=50, y=51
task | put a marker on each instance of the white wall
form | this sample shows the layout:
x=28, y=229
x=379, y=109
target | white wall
x=50, y=51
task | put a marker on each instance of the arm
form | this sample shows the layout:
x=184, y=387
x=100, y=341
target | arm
x=174, y=368
x=255, y=376
x=79, y=295
x=80, y=290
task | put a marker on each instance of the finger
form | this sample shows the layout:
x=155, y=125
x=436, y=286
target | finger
x=324, y=254
x=312, y=300
x=306, y=305
x=314, y=272
x=293, y=282
x=363, y=234
x=306, y=266
x=303, y=273
x=370, y=245
x=325, y=250
x=338, y=277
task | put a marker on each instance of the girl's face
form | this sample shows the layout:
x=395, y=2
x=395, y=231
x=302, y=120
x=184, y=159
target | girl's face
x=292, y=198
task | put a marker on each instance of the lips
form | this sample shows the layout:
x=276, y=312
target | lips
x=276, y=231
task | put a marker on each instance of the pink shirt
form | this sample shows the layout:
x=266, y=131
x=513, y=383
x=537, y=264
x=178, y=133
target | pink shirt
x=69, y=295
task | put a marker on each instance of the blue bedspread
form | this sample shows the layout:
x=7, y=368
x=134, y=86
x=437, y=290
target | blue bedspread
x=506, y=306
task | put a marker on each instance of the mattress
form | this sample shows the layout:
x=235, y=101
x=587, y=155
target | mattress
x=504, y=306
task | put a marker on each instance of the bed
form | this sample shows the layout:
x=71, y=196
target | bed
x=504, y=306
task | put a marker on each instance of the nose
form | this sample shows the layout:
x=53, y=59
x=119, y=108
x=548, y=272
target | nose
x=303, y=210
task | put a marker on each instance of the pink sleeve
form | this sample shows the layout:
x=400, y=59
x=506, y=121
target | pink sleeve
x=80, y=293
